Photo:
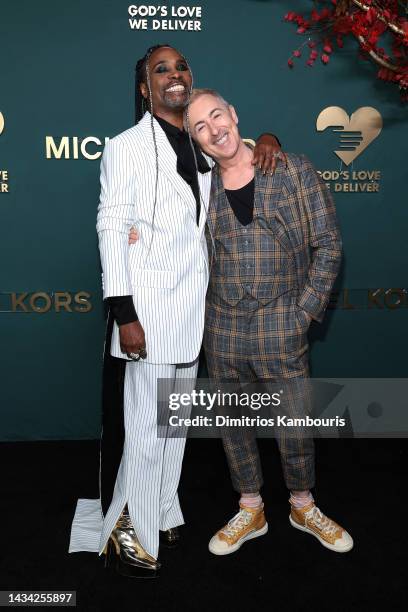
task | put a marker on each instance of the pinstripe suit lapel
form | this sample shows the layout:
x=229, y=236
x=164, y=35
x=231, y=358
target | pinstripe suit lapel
x=217, y=189
x=204, y=181
x=167, y=160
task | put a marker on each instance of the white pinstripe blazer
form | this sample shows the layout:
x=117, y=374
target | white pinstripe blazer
x=169, y=282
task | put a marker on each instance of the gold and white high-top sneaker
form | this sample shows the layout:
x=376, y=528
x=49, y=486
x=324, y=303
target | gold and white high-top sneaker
x=247, y=524
x=329, y=533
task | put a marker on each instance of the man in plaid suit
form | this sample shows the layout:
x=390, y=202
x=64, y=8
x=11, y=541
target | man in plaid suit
x=277, y=253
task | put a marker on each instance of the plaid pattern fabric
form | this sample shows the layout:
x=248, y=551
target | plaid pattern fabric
x=263, y=336
x=249, y=342
x=250, y=261
x=295, y=206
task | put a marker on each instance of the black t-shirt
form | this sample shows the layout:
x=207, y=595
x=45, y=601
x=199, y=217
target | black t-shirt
x=242, y=202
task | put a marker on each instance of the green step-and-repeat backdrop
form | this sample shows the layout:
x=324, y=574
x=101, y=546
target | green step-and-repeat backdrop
x=67, y=84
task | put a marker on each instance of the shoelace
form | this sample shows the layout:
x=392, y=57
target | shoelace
x=237, y=523
x=322, y=522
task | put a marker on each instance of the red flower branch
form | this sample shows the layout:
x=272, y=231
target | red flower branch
x=373, y=23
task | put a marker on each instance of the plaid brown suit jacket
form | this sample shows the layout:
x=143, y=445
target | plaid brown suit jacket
x=298, y=208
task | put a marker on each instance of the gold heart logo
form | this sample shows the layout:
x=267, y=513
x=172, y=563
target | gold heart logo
x=356, y=132
x=1, y=123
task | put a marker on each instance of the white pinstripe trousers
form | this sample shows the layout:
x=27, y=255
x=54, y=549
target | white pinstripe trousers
x=150, y=468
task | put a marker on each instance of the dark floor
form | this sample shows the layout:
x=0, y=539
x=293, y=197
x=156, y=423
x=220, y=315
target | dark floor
x=361, y=483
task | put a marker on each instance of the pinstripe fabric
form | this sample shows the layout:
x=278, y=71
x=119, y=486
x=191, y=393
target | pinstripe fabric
x=169, y=281
x=256, y=326
x=150, y=468
x=166, y=271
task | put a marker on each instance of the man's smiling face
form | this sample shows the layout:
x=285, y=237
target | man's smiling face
x=214, y=125
x=170, y=80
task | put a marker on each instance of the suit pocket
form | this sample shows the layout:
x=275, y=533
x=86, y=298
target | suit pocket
x=161, y=279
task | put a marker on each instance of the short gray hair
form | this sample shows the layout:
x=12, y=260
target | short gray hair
x=197, y=93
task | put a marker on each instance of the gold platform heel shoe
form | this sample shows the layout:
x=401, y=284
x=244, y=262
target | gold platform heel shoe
x=124, y=551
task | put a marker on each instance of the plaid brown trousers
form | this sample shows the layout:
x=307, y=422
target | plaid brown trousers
x=265, y=280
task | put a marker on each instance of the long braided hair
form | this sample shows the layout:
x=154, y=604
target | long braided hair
x=142, y=75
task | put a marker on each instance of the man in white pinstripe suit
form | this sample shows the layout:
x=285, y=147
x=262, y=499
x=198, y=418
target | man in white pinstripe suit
x=156, y=289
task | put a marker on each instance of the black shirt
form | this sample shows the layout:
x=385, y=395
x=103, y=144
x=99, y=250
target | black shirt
x=242, y=202
x=186, y=168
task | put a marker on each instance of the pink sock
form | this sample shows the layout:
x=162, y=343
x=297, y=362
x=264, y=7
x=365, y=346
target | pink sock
x=251, y=500
x=300, y=499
